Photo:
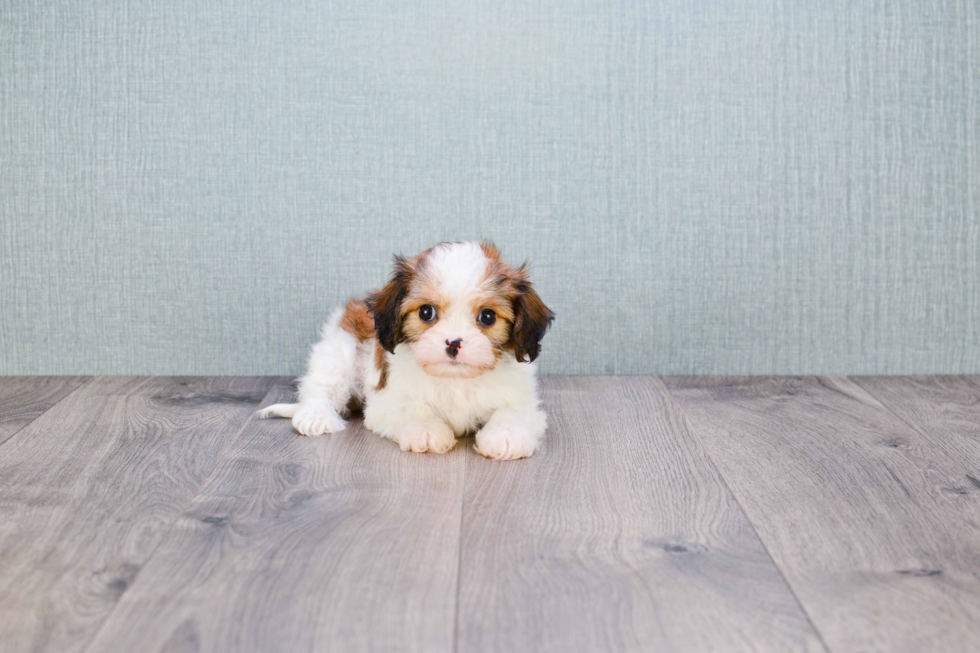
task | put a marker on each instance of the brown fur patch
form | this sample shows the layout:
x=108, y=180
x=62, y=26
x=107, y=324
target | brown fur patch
x=425, y=291
x=531, y=318
x=499, y=332
x=357, y=320
x=387, y=304
x=413, y=327
x=528, y=317
x=490, y=250
x=381, y=363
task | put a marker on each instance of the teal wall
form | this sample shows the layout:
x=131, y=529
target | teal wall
x=725, y=187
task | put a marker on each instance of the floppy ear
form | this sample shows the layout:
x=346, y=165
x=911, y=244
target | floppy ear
x=385, y=304
x=531, y=319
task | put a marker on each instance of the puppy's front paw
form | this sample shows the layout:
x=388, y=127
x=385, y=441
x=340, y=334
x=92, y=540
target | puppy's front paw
x=431, y=436
x=505, y=441
x=317, y=420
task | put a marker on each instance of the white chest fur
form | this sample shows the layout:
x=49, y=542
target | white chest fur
x=412, y=394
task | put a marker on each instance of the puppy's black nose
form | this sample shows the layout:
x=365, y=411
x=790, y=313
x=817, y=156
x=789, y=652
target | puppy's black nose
x=452, y=348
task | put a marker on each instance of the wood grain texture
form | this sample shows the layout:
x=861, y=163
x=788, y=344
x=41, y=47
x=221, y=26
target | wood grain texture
x=849, y=501
x=91, y=488
x=945, y=410
x=337, y=543
x=24, y=398
x=618, y=535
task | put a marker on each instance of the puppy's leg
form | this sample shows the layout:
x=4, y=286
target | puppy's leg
x=327, y=386
x=511, y=433
x=433, y=435
x=413, y=427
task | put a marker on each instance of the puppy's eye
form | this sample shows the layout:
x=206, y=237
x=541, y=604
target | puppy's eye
x=427, y=312
x=487, y=317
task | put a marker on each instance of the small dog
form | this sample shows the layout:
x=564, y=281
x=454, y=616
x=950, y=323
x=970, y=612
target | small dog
x=446, y=348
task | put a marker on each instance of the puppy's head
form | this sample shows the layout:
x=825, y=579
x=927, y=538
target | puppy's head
x=459, y=308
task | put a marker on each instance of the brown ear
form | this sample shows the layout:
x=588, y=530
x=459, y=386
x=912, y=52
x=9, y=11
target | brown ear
x=385, y=304
x=531, y=319
x=490, y=250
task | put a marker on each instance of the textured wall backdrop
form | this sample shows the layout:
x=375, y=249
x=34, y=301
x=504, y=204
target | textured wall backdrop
x=702, y=187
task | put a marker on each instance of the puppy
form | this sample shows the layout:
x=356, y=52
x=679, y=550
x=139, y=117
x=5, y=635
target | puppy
x=446, y=348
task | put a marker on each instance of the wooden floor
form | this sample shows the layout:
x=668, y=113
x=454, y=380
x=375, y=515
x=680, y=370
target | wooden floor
x=677, y=514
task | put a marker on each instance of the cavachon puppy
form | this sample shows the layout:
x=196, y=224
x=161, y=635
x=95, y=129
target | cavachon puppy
x=446, y=348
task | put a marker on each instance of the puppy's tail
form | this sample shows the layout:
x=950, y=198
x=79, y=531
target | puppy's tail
x=278, y=410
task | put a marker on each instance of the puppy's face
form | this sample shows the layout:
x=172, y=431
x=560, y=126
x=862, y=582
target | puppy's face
x=460, y=309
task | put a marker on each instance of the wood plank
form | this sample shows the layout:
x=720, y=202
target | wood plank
x=337, y=543
x=617, y=535
x=24, y=398
x=945, y=410
x=848, y=500
x=91, y=487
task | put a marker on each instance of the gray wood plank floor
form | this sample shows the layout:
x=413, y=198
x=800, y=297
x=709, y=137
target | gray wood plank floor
x=25, y=398
x=618, y=535
x=684, y=514
x=90, y=489
x=847, y=498
x=339, y=543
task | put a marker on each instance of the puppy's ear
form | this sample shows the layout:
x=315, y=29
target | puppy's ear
x=531, y=318
x=490, y=250
x=385, y=304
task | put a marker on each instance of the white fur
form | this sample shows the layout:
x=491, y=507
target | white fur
x=418, y=409
x=460, y=267
x=413, y=399
x=329, y=384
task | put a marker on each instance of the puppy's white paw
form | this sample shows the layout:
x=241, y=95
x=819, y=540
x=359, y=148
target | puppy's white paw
x=434, y=437
x=505, y=441
x=317, y=420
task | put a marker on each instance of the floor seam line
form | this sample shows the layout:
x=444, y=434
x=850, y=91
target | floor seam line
x=888, y=408
x=724, y=481
x=45, y=412
x=459, y=555
x=247, y=421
